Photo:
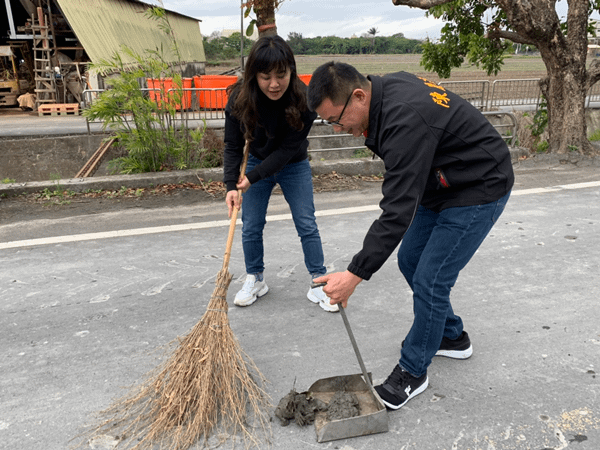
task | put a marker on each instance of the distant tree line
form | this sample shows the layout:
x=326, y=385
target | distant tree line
x=217, y=47
x=328, y=45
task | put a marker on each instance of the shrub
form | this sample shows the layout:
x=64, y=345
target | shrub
x=146, y=127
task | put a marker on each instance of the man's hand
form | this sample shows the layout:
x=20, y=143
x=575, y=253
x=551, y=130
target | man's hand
x=340, y=286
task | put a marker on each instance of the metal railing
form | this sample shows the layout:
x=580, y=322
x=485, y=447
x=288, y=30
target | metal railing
x=593, y=95
x=524, y=92
x=189, y=108
x=488, y=96
x=506, y=125
x=475, y=92
x=509, y=136
x=209, y=103
x=337, y=136
x=199, y=104
x=507, y=93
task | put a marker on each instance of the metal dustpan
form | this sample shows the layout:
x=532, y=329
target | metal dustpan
x=372, y=417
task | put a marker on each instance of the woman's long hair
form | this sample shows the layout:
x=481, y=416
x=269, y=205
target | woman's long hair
x=267, y=54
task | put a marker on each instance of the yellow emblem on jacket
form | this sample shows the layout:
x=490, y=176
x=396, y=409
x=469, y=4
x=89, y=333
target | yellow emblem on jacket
x=440, y=99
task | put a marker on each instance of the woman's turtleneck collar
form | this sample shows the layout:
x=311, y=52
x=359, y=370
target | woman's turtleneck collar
x=279, y=104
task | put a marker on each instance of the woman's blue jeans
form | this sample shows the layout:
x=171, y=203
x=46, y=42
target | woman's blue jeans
x=295, y=181
x=436, y=247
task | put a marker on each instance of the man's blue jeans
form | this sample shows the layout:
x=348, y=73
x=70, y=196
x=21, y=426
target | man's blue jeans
x=295, y=181
x=436, y=247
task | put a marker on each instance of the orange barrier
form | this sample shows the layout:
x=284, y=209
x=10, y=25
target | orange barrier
x=159, y=92
x=305, y=78
x=215, y=99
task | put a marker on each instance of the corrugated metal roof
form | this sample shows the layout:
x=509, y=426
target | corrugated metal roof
x=103, y=26
x=170, y=10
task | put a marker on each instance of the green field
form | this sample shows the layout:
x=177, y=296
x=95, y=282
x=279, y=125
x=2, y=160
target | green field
x=515, y=67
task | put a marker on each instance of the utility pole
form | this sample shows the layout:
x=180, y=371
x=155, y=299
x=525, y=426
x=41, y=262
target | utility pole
x=242, y=35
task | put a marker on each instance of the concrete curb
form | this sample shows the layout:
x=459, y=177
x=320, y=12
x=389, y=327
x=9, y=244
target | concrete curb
x=358, y=166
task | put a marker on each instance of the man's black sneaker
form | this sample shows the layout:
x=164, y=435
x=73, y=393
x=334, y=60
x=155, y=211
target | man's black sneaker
x=400, y=387
x=459, y=348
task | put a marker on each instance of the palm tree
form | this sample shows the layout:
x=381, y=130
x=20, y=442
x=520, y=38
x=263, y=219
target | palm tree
x=373, y=31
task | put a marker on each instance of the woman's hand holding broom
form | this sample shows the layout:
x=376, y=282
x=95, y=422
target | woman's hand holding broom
x=234, y=198
x=234, y=203
x=243, y=184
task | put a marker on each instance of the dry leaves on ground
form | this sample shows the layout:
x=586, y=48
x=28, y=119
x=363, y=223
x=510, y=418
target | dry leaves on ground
x=322, y=183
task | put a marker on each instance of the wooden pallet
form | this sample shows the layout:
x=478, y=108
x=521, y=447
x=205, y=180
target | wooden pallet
x=59, y=109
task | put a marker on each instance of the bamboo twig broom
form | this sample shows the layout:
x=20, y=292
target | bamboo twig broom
x=208, y=386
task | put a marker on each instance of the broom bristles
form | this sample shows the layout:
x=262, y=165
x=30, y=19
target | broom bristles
x=208, y=386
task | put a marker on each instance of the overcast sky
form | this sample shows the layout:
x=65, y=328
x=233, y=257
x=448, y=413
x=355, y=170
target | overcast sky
x=313, y=18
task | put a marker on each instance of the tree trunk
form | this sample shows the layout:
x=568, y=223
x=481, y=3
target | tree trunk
x=564, y=55
x=265, y=17
x=566, y=91
x=564, y=51
x=567, y=83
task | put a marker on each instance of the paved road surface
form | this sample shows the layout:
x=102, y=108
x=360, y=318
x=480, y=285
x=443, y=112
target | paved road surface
x=80, y=318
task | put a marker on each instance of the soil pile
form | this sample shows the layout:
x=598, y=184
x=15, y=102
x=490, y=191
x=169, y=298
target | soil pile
x=303, y=407
x=298, y=407
x=343, y=405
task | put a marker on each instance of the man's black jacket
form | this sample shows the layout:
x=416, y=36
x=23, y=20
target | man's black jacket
x=439, y=151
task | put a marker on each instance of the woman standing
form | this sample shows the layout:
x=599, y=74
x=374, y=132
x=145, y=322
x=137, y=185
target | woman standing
x=268, y=108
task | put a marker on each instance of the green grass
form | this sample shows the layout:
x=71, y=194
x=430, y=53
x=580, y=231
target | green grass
x=595, y=136
x=362, y=153
x=514, y=66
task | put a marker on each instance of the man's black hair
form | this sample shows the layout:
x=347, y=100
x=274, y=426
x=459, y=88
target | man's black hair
x=333, y=80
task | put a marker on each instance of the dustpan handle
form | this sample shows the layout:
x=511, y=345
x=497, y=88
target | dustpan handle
x=355, y=346
x=234, y=213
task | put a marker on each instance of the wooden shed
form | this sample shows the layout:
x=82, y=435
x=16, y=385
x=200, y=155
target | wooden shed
x=56, y=39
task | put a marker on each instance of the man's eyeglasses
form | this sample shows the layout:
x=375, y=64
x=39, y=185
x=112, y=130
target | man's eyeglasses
x=337, y=122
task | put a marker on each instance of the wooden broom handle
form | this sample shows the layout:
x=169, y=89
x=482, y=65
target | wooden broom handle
x=234, y=213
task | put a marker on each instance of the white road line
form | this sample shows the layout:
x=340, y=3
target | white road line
x=556, y=188
x=165, y=229
x=223, y=223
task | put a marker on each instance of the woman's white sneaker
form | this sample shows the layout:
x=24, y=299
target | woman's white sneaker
x=252, y=289
x=316, y=295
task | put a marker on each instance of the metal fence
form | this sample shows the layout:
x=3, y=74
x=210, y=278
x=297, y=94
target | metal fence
x=505, y=123
x=488, y=96
x=194, y=103
x=336, y=141
x=514, y=93
x=503, y=94
x=493, y=99
x=593, y=95
x=475, y=92
x=209, y=103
